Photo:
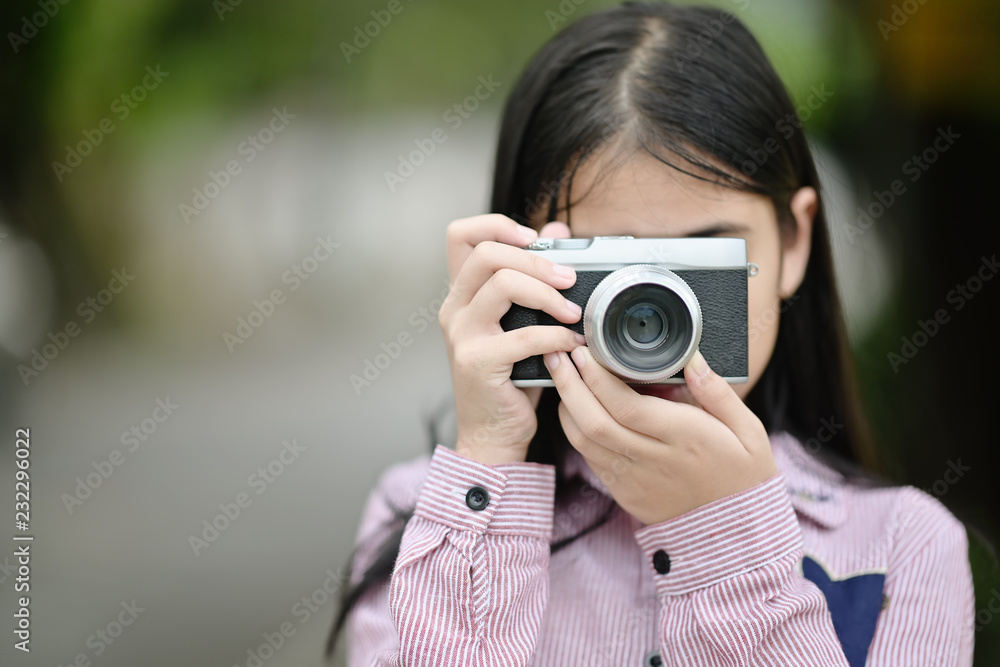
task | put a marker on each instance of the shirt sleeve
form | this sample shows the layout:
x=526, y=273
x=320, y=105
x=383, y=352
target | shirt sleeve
x=929, y=614
x=729, y=589
x=470, y=583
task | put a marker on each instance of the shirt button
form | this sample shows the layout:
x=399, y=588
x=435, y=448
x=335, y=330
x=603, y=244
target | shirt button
x=652, y=659
x=661, y=561
x=477, y=498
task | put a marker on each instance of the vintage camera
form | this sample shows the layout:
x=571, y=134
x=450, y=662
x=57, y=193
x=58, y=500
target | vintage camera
x=648, y=304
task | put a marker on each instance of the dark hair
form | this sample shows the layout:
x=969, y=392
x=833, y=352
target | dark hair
x=693, y=88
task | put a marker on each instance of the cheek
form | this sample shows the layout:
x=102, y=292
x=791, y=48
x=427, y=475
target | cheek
x=764, y=312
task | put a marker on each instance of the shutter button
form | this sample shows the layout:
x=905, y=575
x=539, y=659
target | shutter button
x=477, y=498
x=653, y=659
x=661, y=561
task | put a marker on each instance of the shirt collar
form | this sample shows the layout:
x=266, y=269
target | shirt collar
x=816, y=491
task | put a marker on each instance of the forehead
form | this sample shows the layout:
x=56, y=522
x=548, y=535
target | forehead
x=639, y=195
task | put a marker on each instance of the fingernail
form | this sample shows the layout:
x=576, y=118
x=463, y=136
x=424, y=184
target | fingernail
x=528, y=235
x=573, y=308
x=698, y=365
x=563, y=271
x=581, y=339
x=551, y=360
x=579, y=357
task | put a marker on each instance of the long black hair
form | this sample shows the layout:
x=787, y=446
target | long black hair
x=693, y=88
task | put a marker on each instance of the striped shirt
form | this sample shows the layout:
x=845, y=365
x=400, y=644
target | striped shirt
x=802, y=569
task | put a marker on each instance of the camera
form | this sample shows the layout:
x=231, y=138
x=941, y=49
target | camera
x=648, y=304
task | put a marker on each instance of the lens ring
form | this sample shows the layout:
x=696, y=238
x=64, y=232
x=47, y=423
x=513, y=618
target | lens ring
x=661, y=320
x=608, y=351
x=666, y=350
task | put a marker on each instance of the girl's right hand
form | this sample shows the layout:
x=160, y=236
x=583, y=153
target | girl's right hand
x=489, y=270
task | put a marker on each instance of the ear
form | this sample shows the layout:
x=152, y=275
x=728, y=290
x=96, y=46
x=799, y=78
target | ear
x=796, y=243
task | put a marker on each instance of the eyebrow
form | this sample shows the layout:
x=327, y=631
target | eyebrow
x=718, y=228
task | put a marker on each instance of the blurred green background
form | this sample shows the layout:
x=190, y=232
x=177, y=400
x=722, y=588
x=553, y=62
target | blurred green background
x=899, y=72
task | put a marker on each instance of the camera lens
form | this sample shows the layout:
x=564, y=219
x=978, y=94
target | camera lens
x=643, y=323
x=647, y=327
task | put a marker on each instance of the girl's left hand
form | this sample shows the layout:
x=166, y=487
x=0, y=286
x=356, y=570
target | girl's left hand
x=660, y=458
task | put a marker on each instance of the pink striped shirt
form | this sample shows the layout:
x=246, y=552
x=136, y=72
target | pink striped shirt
x=803, y=569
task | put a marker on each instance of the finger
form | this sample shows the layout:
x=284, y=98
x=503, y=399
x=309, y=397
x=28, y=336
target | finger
x=595, y=454
x=518, y=344
x=462, y=236
x=507, y=287
x=719, y=399
x=645, y=414
x=489, y=257
x=555, y=230
x=589, y=414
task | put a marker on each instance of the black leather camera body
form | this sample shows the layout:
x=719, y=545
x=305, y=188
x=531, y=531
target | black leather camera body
x=648, y=304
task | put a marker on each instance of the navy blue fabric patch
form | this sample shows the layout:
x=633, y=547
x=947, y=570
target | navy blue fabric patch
x=854, y=604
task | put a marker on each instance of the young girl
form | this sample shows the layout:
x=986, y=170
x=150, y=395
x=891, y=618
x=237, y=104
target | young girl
x=601, y=523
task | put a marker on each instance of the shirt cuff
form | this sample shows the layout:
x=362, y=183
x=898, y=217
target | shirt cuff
x=722, y=539
x=519, y=496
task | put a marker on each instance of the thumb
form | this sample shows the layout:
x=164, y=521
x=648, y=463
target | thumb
x=718, y=399
x=555, y=230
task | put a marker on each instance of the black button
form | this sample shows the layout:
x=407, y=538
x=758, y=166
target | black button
x=661, y=561
x=653, y=659
x=477, y=498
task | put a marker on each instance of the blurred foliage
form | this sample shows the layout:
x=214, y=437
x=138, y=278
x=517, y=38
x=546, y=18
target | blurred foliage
x=222, y=57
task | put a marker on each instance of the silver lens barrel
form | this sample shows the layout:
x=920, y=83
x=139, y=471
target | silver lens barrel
x=677, y=317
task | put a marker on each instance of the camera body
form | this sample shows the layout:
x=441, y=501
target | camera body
x=648, y=304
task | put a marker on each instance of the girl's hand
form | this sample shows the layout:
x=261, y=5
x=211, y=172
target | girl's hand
x=489, y=271
x=659, y=458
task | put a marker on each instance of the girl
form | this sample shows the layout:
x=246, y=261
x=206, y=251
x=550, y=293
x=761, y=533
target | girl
x=598, y=523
